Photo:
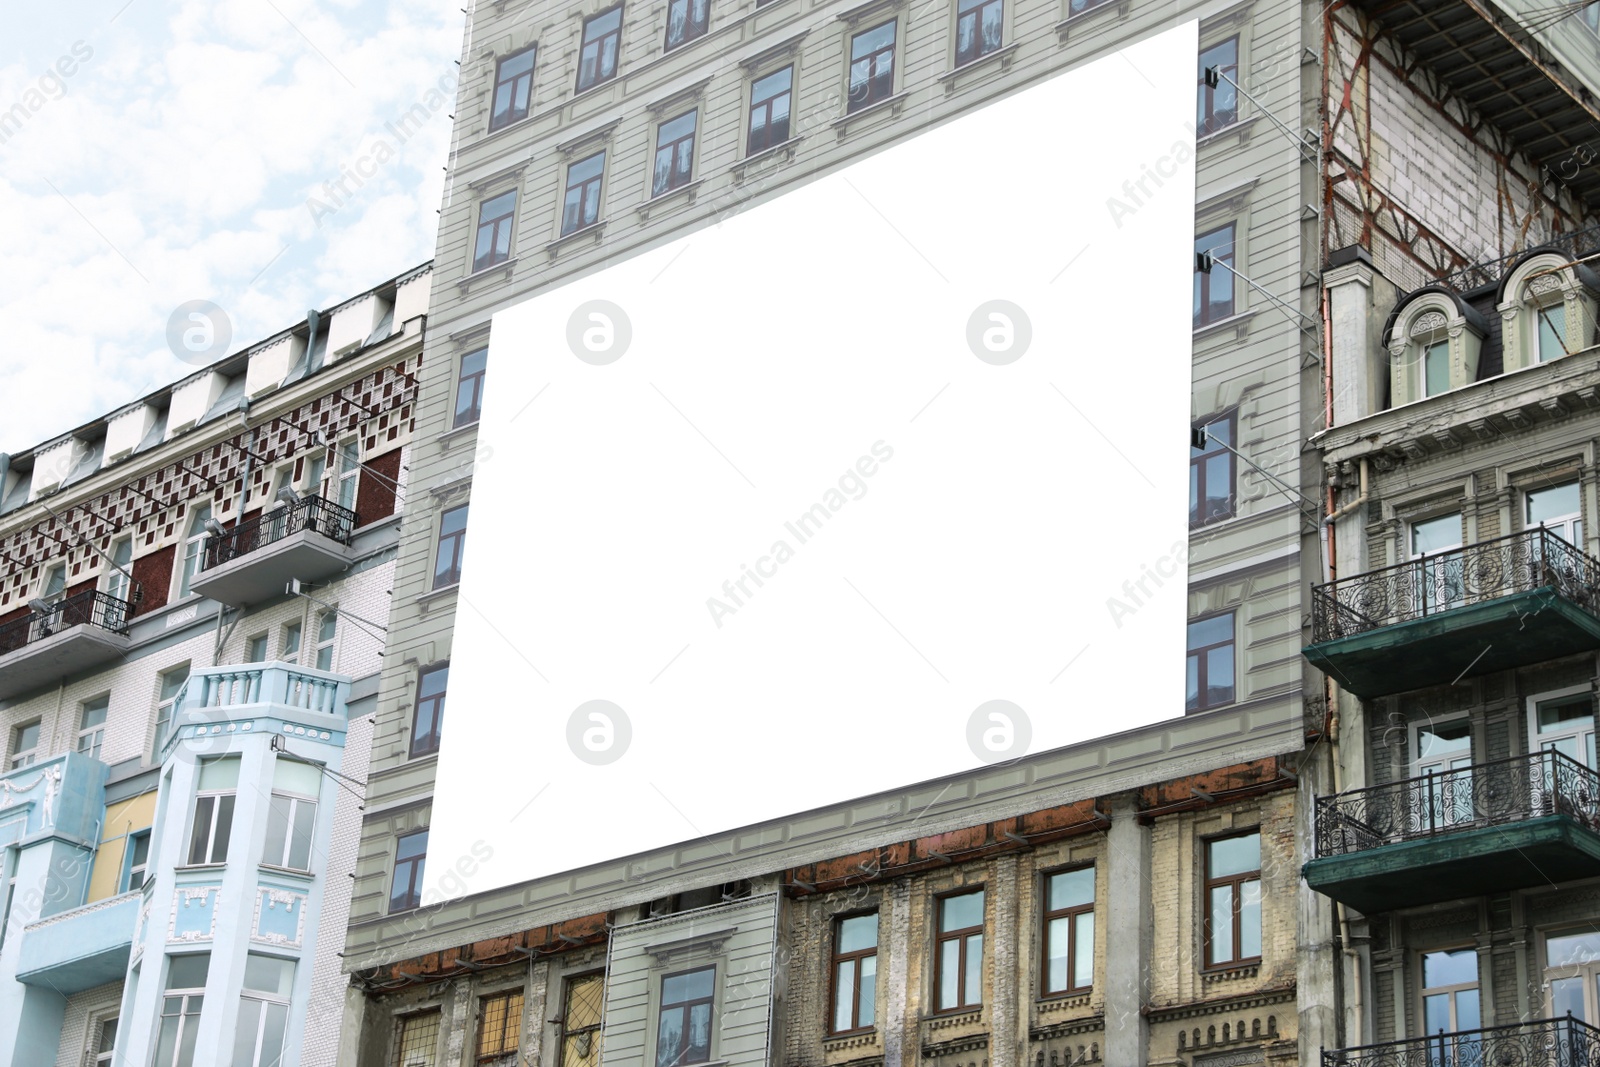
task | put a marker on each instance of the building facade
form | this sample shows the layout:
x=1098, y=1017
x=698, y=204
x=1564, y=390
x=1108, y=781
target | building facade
x=192, y=608
x=586, y=132
x=1457, y=621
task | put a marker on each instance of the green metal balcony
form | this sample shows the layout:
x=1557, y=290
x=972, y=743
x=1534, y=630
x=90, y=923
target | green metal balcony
x=1508, y=824
x=1493, y=606
x=1564, y=1042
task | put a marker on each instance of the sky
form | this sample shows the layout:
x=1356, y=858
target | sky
x=157, y=152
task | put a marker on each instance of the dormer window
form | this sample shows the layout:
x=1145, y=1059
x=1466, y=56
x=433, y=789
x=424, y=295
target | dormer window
x=1547, y=308
x=1433, y=345
x=1436, y=366
x=1552, y=329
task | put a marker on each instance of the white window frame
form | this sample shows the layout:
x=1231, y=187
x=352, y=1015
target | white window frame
x=1588, y=973
x=185, y=1019
x=24, y=757
x=167, y=707
x=103, y=1057
x=349, y=472
x=291, y=653
x=1445, y=576
x=116, y=583
x=266, y=999
x=265, y=637
x=132, y=868
x=96, y=735
x=192, y=554
x=325, y=644
x=1568, y=527
x=296, y=801
x=1424, y=992
x=1449, y=811
x=1538, y=742
x=216, y=797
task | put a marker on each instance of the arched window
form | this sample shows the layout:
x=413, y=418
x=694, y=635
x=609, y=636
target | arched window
x=1547, y=310
x=1434, y=345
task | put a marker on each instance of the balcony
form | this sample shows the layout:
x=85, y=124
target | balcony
x=1550, y=1042
x=219, y=703
x=1493, y=606
x=71, y=635
x=308, y=539
x=1512, y=823
x=82, y=948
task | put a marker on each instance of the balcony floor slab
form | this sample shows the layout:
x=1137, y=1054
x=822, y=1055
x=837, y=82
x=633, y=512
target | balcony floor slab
x=263, y=573
x=42, y=663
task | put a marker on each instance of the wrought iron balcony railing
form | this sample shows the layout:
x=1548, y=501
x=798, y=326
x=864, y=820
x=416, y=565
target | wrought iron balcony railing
x=90, y=606
x=1431, y=585
x=1484, y=794
x=1543, y=1042
x=308, y=513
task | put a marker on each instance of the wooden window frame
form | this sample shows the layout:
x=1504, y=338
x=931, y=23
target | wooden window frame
x=1199, y=653
x=416, y=864
x=691, y=31
x=674, y=147
x=494, y=224
x=1236, y=883
x=976, y=14
x=456, y=540
x=583, y=221
x=438, y=702
x=856, y=956
x=1205, y=123
x=684, y=1007
x=764, y=105
x=872, y=60
x=568, y=982
x=1202, y=313
x=964, y=937
x=1071, y=914
x=510, y=1025
x=525, y=78
x=584, y=43
x=474, y=382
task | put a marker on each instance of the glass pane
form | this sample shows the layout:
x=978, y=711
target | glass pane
x=1552, y=332
x=858, y=933
x=292, y=776
x=1458, y=967
x=220, y=773
x=141, y=849
x=277, y=829
x=1436, y=535
x=272, y=1039
x=975, y=969
x=1192, y=683
x=684, y=987
x=602, y=24
x=699, y=1049
x=864, y=44
x=453, y=521
x=305, y=817
x=1436, y=1014
x=520, y=63
x=1233, y=855
x=1221, y=912
x=1566, y=995
x=94, y=713
x=1250, y=919
x=678, y=127
x=1435, y=741
x=167, y=1040
x=1467, y=1014
x=1219, y=675
x=246, y=1032
x=1056, y=946
x=949, y=972
x=1553, y=504
x=1560, y=714
x=1574, y=949
x=958, y=913
x=1210, y=631
x=843, y=990
x=173, y=681
x=200, y=837
x=412, y=845
x=1083, y=951
x=187, y=972
x=1436, y=368
x=669, y=1037
x=583, y=170
x=500, y=205
x=869, y=989
x=1071, y=888
x=219, y=847
x=771, y=85
x=268, y=974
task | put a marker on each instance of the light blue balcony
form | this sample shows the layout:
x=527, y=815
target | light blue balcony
x=80, y=949
x=220, y=703
x=61, y=797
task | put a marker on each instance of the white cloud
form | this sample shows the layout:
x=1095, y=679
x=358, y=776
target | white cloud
x=174, y=163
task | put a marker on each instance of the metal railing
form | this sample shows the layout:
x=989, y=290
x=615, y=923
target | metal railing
x=90, y=607
x=1430, y=585
x=1484, y=794
x=308, y=513
x=1573, y=243
x=1542, y=1042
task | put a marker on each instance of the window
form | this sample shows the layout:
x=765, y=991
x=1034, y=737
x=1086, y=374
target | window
x=1450, y=991
x=170, y=694
x=580, y=1021
x=769, y=110
x=1443, y=756
x=263, y=1011
x=105, y=1042
x=494, y=231
x=597, y=62
x=1572, y=974
x=1068, y=931
x=513, y=85
x=180, y=1010
x=410, y=853
x=871, y=66
x=683, y=1029
x=855, y=972
x=1552, y=330
x=291, y=643
x=54, y=586
x=194, y=547
x=1233, y=900
x=213, y=810
x=1591, y=16
x=1436, y=367
x=349, y=474
x=316, y=467
x=292, y=814
x=24, y=744
x=1211, y=474
x=686, y=20
x=978, y=28
x=1564, y=724
x=582, y=204
x=1558, y=510
x=958, y=952
x=418, y=1040
x=92, y=725
x=674, y=154
x=255, y=649
x=1209, y=682
x=429, y=714
x=469, y=387
x=1218, y=108
x=499, y=1026
x=1440, y=568
x=138, y=861
x=117, y=581
x=1213, y=290
x=452, y=540
x=327, y=627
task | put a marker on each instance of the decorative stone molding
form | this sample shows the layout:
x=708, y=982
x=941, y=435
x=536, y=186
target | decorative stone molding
x=708, y=943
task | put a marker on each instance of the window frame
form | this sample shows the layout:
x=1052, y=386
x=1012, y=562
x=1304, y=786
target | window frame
x=1586, y=736
x=191, y=558
x=267, y=999
x=476, y=382
x=296, y=802
x=1202, y=657
x=766, y=104
x=325, y=644
x=964, y=937
x=115, y=582
x=685, y=1007
x=1199, y=464
x=509, y=1021
x=457, y=542
x=129, y=867
x=1205, y=111
x=568, y=983
x=184, y=1016
x=98, y=732
x=216, y=796
x=693, y=137
x=1236, y=883
x=290, y=650
x=976, y=12
x=600, y=78
x=349, y=477
x=871, y=97
x=103, y=1057
x=417, y=864
x=854, y=956
x=167, y=707
x=1072, y=914
x=402, y=1022
x=505, y=222
x=690, y=33
x=437, y=711
x=596, y=183
x=1450, y=991
x=1202, y=315
x=19, y=757
x=496, y=122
